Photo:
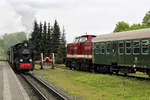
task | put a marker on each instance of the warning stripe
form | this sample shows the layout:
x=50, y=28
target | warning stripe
x=79, y=56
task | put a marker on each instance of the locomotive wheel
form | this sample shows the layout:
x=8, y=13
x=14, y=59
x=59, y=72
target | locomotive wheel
x=111, y=70
x=148, y=72
x=78, y=65
x=82, y=66
x=88, y=67
x=69, y=65
x=117, y=72
x=125, y=74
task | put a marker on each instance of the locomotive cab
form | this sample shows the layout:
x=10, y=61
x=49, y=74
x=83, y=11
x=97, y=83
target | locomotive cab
x=79, y=53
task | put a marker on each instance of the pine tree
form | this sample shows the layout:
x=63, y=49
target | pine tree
x=55, y=38
x=61, y=49
x=35, y=31
x=41, y=39
x=63, y=39
x=45, y=39
x=49, y=40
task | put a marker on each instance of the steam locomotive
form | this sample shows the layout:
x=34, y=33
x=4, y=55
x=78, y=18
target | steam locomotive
x=20, y=57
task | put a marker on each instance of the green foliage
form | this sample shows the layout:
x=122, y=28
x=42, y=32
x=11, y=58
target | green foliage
x=121, y=26
x=45, y=39
x=48, y=39
x=8, y=40
x=55, y=38
x=1, y=47
x=146, y=19
x=138, y=26
x=61, y=54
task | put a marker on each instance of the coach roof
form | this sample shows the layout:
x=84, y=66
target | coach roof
x=136, y=34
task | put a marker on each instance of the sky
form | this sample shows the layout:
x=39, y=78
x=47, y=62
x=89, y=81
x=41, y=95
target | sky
x=78, y=17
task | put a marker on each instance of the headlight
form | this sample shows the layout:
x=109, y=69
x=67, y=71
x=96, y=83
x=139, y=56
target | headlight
x=21, y=60
x=30, y=60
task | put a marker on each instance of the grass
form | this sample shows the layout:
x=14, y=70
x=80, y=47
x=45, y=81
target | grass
x=91, y=86
x=2, y=58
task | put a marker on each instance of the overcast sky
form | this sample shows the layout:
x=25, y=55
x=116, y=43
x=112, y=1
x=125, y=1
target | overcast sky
x=77, y=16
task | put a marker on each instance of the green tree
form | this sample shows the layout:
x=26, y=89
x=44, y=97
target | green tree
x=12, y=39
x=41, y=47
x=55, y=37
x=1, y=47
x=146, y=19
x=45, y=38
x=49, y=37
x=35, y=31
x=61, y=49
x=121, y=26
x=137, y=26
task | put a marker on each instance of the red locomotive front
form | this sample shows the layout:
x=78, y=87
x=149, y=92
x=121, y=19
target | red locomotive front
x=79, y=53
x=26, y=66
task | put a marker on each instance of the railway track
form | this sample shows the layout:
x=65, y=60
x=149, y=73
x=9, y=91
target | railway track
x=42, y=90
x=134, y=77
x=127, y=76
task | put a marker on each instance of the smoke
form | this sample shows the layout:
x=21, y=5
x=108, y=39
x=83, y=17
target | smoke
x=25, y=12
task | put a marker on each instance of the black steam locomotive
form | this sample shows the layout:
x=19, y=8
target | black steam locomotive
x=20, y=57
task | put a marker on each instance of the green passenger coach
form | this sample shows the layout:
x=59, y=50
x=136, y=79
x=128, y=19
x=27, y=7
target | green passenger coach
x=125, y=52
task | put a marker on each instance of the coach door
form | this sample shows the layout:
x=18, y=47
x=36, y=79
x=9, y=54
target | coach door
x=114, y=51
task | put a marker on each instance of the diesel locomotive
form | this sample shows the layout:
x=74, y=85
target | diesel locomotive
x=125, y=52
x=79, y=53
x=20, y=57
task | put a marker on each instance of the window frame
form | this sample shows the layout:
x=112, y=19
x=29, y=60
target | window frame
x=83, y=39
x=104, y=47
x=108, y=43
x=136, y=47
x=121, y=48
x=142, y=47
x=97, y=46
x=128, y=41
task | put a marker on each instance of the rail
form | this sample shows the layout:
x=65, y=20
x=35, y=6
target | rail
x=44, y=91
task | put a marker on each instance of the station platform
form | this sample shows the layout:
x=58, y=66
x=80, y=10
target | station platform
x=10, y=86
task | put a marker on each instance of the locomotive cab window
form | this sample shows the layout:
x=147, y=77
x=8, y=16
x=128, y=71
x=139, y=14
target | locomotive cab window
x=145, y=47
x=121, y=47
x=128, y=47
x=83, y=39
x=136, y=47
x=76, y=40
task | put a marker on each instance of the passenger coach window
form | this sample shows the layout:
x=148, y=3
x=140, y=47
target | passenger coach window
x=145, y=47
x=103, y=49
x=136, y=47
x=97, y=49
x=121, y=47
x=128, y=47
x=108, y=48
